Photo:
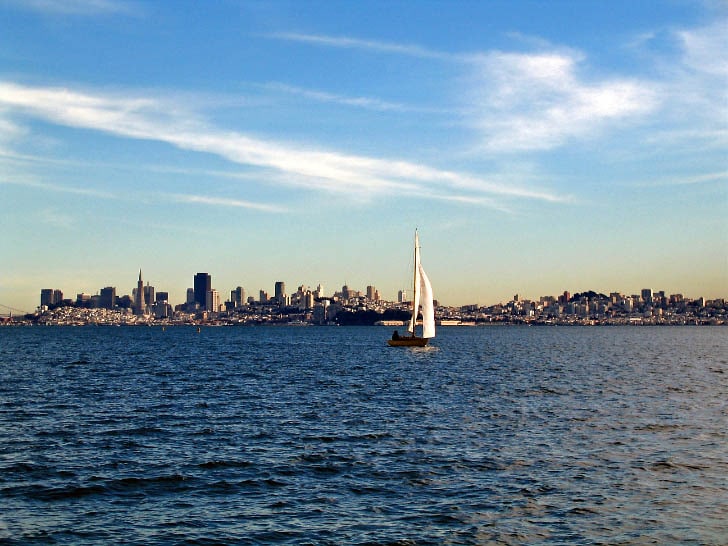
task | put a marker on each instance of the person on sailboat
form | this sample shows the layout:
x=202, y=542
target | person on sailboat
x=395, y=335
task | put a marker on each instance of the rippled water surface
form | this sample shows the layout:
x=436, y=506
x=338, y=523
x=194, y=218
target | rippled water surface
x=262, y=435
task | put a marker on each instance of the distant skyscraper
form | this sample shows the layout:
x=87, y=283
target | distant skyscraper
x=139, y=303
x=203, y=284
x=370, y=292
x=161, y=297
x=50, y=296
x=280, y=293
x=149, y=294
x=237, y=296
x=107, y=298
x=46, y=297
x=647, y=295
x=564, y=298
x=212, y=300
x=190, y=296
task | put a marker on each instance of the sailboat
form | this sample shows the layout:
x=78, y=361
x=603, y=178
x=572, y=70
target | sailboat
x=422, y=295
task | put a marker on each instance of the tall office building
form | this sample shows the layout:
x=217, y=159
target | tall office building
x=280, y=293
x=190, y=296
x=203, y=284
x=149, y=296
x=237, y=296
x=107, y=298
x=212, y=300
x=139, y=301
x=371, y=293
x=49, y=296
x=647, y=295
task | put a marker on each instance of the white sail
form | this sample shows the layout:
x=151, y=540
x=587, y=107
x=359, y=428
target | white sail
x=428, y=307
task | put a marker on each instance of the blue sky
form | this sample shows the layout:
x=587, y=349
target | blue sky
x=538, y=146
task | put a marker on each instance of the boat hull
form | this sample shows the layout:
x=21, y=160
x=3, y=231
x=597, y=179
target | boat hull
x=408, y=342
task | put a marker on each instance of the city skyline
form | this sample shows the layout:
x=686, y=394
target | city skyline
x=198, y=295
x=538, y=147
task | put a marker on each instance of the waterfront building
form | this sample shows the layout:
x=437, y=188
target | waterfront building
x=203, y=284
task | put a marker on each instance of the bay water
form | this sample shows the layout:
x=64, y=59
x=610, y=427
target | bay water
x=325, y=435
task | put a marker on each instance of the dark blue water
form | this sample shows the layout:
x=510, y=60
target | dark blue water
x=503, y=435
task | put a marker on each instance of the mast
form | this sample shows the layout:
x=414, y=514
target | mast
x=415, y=285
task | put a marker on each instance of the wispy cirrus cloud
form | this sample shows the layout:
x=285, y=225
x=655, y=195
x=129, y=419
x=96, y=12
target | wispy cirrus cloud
x=705, y=178
x=542, y=100
x=76, y=7
x=345, y=42
x=56, y=218
x=525, y=102
x=225, y=202
x=222, y=202
x=31, y=182
x=315, y=169
x=367, y=103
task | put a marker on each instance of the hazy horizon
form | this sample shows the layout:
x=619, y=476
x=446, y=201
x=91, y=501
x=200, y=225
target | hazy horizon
x=538, y=147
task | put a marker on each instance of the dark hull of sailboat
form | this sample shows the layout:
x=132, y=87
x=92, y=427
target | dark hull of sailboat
x=408, y=342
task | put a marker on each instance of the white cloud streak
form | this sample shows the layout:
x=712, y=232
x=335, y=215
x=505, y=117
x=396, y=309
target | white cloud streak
x=222, y=202
x=706, y=178
x=410, y=50
x=167, y=197
x=75, y=7
x=322, y=170
x=359, y=102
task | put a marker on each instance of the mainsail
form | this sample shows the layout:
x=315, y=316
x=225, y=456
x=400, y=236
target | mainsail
x=428, y=306
x=423, y=296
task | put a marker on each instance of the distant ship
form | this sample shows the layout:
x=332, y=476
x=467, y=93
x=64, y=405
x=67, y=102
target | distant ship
x=422, y=296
